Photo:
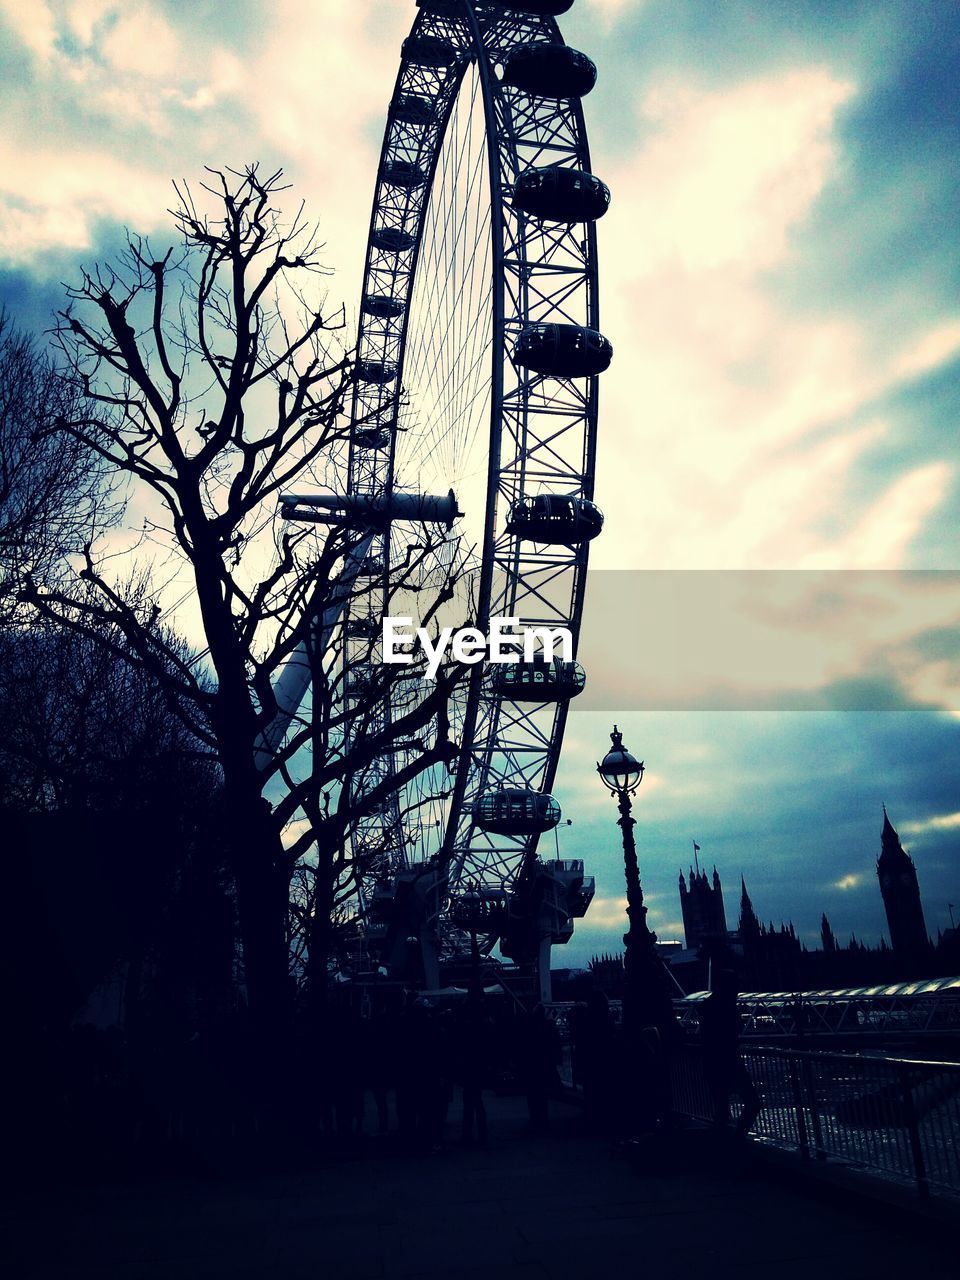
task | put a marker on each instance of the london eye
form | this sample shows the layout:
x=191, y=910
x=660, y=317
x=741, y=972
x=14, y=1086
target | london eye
x=478, y=360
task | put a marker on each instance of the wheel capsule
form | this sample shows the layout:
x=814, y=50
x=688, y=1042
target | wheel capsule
x=563, y=351
x=364, y=627
x=428, y=51
x=537, y=681
x=376, y=371
x=392, y=239
x=561, y=195
x=442, y=8
x=549, y=70
x=372, y=437
x=516, y=811
x=382, y=306
x=360, y=679
x=371, y=566
x=403, y=173
x=555, y=519
x=538, y=8
x=410, y=108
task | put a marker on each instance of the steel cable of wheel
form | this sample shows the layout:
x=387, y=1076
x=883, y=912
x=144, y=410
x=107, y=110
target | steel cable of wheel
x=462, y=269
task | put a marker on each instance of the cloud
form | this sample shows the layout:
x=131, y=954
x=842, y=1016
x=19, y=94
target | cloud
x=317, y=94
x=140, y=41
x=53, y=199
x=934, y=348
x=724, y=176
x=715, y=183
x=938, y=822
x=791, y=640
x=121, y=99
x=849, y=881
x=610, y=11
x=608, y=913
x=33, y=24
x=97, y=129
x=886, y=529
x=706, y=212
x=84, y=17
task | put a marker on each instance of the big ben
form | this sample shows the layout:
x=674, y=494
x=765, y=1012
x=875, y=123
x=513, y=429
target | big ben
x=901, y=895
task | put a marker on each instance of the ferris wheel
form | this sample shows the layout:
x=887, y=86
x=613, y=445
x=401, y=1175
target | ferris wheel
x=478, y=360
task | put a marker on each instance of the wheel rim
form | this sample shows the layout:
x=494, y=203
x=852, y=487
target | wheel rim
x=541, y=436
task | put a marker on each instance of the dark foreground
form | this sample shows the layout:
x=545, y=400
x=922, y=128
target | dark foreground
x=522, y=1208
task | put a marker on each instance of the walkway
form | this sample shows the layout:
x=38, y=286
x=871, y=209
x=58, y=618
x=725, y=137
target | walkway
x=522, y=1209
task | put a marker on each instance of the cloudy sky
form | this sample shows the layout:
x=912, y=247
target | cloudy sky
x=779, y=277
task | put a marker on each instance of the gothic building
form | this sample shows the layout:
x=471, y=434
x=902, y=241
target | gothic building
x=769, y=957
x=772, y=958
x=702, y=907
x=827, y=936
x=901, y=896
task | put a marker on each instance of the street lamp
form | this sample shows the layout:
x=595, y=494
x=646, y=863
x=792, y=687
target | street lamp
x=646, y=1002
x=620, y=770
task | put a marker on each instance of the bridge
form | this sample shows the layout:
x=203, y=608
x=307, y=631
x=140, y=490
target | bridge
x=899, y=1011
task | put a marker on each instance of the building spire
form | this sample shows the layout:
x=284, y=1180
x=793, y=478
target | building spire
x=704, y=917
x=888, y=828
x=749, y=925
x=891, y=850
x=826, y=935
x=901, y=896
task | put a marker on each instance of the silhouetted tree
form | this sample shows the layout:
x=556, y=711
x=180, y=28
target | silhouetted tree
x=216, y=387
x=107, y=799
x=53, y=491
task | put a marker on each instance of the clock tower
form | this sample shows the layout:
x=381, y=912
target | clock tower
x=901, y=896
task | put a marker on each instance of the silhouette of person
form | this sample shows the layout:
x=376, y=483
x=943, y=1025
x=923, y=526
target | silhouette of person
x=405, y=1073
x=379, y=1058
x=422, y=1077
x=540, y=1052
x=345, y=1076
x=596, y=1058
x=474, y=1054
x=725, y=1069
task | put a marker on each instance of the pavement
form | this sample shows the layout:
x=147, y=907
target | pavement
x=562, y=1206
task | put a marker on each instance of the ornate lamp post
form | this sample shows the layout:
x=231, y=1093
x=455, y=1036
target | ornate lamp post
x=646, y=1002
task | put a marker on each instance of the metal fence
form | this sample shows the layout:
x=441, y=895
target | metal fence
x=891, y=1116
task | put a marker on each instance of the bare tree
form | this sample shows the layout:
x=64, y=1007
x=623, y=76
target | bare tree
x=345, y=736
x=83, y=729
x=215, y=383
x=108, y=802
x=53, y=492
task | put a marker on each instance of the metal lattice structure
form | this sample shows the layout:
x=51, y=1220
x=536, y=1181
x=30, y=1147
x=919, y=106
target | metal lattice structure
x=478, y=362
x=905, y=1008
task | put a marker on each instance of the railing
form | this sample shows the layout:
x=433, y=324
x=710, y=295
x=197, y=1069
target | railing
x=890, y=1116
